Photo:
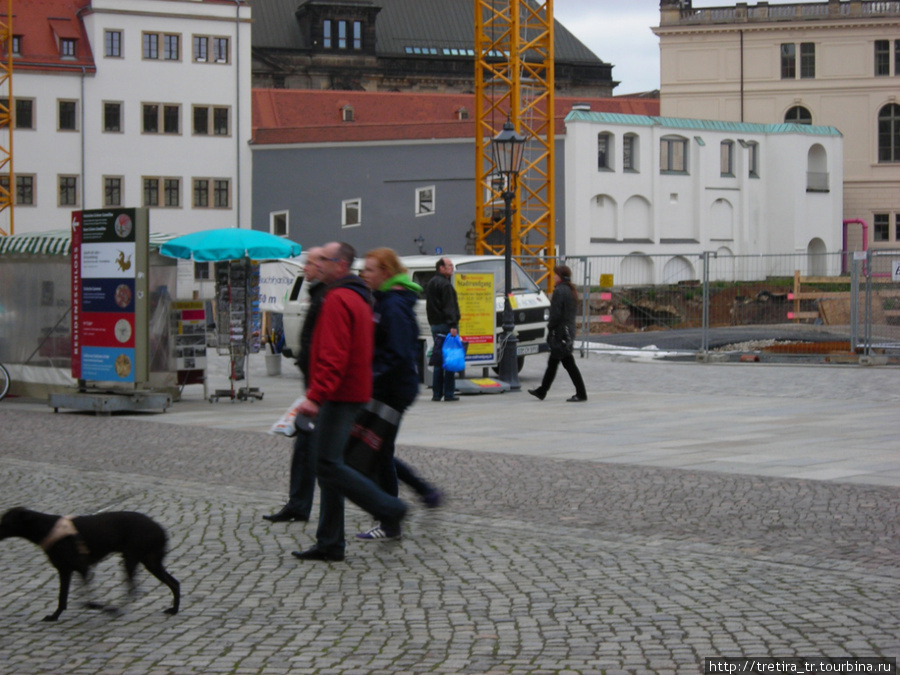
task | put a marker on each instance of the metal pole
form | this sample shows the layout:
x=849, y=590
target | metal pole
x=509, y=367
x=704, y=331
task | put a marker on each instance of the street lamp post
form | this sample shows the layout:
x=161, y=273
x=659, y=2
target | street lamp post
x=508, y=148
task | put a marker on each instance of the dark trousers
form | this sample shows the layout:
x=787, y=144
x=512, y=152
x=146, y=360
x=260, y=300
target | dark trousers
x=568, y=362
x=303, y=476
x=337, y=480
x=443, y=384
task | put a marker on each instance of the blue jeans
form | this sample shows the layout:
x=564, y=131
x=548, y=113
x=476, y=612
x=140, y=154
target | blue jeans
x=443, y=384
x=337, y=480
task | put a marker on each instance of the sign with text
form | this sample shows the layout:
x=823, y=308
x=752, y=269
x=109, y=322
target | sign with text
x=110, y=266
x=478, y=325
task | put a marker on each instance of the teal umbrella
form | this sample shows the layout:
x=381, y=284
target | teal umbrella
x=230, y=243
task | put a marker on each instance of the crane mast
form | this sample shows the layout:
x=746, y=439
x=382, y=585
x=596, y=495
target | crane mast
x=514, y=74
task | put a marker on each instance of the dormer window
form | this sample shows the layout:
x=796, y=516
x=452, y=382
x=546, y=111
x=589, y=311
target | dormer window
x=462, y=114
x=347, y=113
x=67, y=48
x=342, y=35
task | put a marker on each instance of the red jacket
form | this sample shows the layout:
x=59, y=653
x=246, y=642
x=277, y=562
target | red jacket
x=340, y=361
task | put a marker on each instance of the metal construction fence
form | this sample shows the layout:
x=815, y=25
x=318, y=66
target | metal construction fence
x=843, y=306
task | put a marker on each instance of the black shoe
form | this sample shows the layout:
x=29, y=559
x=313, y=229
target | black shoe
x=315, y=554
x=576, y=399
x=537, y=393
x=451, y=398
x=285, y=516
x=435, y=399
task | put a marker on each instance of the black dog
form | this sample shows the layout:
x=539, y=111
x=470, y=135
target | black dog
x=74, y=544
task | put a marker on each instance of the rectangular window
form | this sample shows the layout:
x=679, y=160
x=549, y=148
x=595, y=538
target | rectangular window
x=357, y=35
x=726, y=158
x=881, y=227
x=220, y=49
x=201, y=271
x=896, y=57
x=673, y=155
x=201, y=48
x=172, y=191
x=151, y=192
x=788, y=61
x=151, y=46
x=628, y=153
x=68, y=191
x=171, y=47
x=112, y=191
x=24, y=113
x=68, y=116
x=17, y=45
x=220, y=121
x=25, y=190
x=882, y=57
x=342, y=34
x=112, y=44
x=208, y=118
x=351, y=213
x=151, y=118
x=201, y=193
x=425, y=201
x=221, y=193
x=157, y=116
x=112, y=117
x=67, y=48
x=278, y=223
x=326, y=34
x=807, y=60
x=171, y=119
x=201, y=121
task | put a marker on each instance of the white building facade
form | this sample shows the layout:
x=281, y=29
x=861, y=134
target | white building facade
x=143, y=103
x=662, y=191
x=831, y=63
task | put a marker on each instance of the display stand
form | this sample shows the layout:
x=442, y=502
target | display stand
x=189, y=329
x=238, y=326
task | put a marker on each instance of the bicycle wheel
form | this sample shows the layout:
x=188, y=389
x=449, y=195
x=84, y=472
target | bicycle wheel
x=4, y=381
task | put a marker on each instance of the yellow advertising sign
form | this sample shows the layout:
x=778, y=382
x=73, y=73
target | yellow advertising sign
x=475, y=292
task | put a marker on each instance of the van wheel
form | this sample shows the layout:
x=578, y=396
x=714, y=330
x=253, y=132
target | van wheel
x=520, y=363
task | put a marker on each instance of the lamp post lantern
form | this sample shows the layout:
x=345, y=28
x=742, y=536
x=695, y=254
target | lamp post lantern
x=508, y=148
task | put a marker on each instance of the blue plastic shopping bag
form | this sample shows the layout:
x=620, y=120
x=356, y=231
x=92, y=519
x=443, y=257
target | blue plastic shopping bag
x=454, y=353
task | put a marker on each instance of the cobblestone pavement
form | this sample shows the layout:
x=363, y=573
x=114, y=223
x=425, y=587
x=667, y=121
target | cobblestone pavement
x=535, y=564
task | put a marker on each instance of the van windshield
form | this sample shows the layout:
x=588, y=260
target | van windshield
x=519, y=281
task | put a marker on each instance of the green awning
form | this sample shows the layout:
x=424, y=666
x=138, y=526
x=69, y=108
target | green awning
x=57, y=242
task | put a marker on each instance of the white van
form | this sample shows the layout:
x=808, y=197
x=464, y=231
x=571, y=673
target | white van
x=531, y=313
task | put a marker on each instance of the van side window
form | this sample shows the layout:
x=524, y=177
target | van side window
x=422, y=278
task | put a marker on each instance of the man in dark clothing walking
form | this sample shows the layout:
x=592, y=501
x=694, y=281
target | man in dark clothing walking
x=303, y=460
x=442, y=307
x=340, y=372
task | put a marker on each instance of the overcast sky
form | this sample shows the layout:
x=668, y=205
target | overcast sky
x=618, y=31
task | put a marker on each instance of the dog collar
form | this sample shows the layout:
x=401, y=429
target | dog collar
x=62, y=528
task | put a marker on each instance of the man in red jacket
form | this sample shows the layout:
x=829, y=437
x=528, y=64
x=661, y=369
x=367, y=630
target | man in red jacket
x=340, y=383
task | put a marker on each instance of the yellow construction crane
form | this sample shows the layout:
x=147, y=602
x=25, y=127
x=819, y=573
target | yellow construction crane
x=8, y=182
x=514, y=80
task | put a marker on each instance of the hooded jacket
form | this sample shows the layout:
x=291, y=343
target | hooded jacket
x=396, y=377
x=340, y=363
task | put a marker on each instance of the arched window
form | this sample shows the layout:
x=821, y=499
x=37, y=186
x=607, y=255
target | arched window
x=889, y=133
x=604, y=151
x=630, y=153
x=798, y=115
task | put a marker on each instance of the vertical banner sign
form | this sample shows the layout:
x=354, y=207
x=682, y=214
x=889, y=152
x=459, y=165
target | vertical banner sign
x=110, y=265
x=478, y=324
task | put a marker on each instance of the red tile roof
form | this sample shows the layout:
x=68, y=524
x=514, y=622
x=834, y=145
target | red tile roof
x=306, y=116
x=41, y=24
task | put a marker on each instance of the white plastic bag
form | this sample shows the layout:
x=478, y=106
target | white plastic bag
x=285, y=425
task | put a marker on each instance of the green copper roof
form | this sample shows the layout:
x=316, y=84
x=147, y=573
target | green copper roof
x=700, y=125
